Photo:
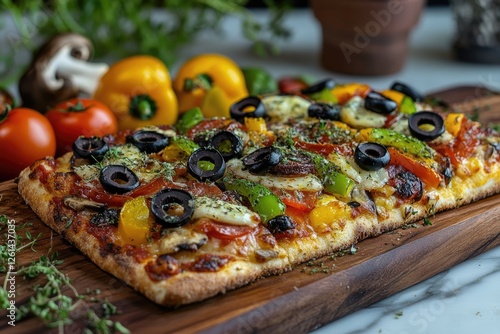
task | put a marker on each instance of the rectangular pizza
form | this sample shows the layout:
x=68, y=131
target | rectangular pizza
x=182, y=213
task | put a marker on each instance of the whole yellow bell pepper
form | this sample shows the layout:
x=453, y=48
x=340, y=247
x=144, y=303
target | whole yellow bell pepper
x=139, y=92
x=200, y=75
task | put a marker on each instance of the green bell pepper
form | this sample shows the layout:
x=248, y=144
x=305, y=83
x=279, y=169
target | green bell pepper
x=324, y=95
x=263, y=200
x=407, y=106
x=396, y=139
x=333, y=181
x=184, y=144
x=259, y=81
x=189, y=119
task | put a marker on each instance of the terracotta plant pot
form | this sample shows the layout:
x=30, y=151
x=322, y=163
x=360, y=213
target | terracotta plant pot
x=366, y=37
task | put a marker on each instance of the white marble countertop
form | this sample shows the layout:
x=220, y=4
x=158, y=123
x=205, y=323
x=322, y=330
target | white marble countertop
x=463, y=300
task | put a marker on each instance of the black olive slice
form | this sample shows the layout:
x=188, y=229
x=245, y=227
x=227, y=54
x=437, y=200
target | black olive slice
x=206, y=164
x=91, y=148
x=319, y=86
x=434, y=121
x=280, y=223
x=354, y=204
x=237, y=110
x=262, y=159
x=118, y=179
x=324, y=111
x=371, y=156
x=408, y=91
x=148, y=141
x=172, y=207
x=380, y=104
x=228, y=144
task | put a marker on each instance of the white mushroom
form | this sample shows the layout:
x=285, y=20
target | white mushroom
x=60, y=71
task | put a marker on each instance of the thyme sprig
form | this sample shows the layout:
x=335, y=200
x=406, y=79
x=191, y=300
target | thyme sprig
x=56, y=302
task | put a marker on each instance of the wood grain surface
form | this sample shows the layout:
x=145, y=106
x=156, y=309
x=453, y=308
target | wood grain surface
x=305, y=298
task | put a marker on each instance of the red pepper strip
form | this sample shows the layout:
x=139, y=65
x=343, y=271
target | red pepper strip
x=98, y=194
x=301, y=200
x=424, y=172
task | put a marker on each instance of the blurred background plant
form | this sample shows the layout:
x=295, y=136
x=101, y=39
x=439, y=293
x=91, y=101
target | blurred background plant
x=121, y=28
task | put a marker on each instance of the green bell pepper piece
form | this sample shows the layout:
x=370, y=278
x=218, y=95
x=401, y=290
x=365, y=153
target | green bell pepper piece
x=259, y=81
x=325, y=95
x=184, y=144
x=333, y=181
x=189, y=119
x=396, y=139
x=407, y=106
x=263, y=200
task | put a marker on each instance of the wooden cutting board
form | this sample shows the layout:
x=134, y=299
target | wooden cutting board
x=305, y=298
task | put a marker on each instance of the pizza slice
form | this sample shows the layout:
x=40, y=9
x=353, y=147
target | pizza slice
x=186, y=212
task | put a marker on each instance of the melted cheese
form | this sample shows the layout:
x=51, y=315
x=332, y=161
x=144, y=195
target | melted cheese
x=367, y=179
x=303, y=183
x=283, y=108
x=354, y=114
x=224, y=212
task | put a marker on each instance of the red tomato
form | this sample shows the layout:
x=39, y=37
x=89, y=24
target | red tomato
x=25, y=136
x=80, y=117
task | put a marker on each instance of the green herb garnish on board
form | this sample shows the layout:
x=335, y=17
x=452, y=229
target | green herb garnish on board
x=54, y=300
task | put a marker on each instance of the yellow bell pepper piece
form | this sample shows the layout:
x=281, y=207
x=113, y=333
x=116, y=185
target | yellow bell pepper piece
x=364, y=134
x=453, y=123
x=135, y=222
x=139, y=92
x=216, y=103
x=256, y=124
x=343, y=93
x=393, y=95
x=329, y=213
x=200, y=74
